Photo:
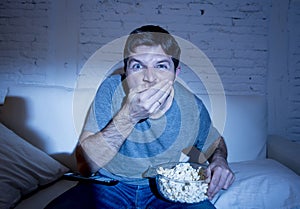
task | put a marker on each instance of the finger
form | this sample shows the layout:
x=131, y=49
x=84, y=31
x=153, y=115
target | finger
x=223, y=179
x=229, y=181
x=158, y=96
x=161, y=90
x=142, y=101
x=139, y=89
x=162, y=103
x=146, y=86
x=146, y=92
x=226, y=176
x=155, y=107
x=214, y=185
x=208, y=175
x=165, y=95
x=143, y=92
x=233, y=179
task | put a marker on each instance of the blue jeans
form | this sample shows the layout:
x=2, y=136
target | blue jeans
x=98, y=196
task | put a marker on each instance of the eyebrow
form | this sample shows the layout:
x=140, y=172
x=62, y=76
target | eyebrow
x=134, y=60
x=141, y=62
x=164, y=60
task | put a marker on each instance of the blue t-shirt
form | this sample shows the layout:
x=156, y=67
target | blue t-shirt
x=153, y=141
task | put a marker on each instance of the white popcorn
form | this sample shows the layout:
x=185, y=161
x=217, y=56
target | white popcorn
x=182, y=183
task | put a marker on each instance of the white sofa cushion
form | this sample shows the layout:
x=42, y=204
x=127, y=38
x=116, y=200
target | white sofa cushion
x=284, y=151
x=45, y=195
x=44, y=117
x=261, y=184
x=23, y=168
x=245, y=129
x=245, y=126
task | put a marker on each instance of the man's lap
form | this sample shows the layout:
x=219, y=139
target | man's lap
x=96, y=196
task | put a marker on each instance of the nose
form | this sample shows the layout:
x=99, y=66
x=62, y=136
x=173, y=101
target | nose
x=149, y=75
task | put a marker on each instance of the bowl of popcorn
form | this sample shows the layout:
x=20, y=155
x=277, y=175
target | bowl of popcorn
x=182, y=182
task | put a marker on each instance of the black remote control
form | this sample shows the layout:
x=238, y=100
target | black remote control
x=96, y=179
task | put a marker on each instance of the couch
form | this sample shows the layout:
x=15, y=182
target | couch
x=38, y=138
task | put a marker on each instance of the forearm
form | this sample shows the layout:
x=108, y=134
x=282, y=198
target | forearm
x=220, y=152
x=97, y=149
x=219, y=174
x=141, y=102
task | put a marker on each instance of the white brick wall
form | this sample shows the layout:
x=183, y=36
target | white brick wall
x=294, y=70
x=283, y=69
x=233, y=35
x=45, y=42
x=23, y=41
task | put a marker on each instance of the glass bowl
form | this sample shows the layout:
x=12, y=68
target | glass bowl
x=182, y=182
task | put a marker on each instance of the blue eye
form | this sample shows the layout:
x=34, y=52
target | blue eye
x=162, y=67
x=137, y=66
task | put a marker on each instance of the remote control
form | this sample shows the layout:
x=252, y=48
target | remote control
x=96, y=179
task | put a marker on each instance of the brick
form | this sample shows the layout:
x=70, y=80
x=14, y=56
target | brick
x=233, y=34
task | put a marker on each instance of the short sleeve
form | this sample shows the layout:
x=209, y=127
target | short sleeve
x=91, y=123
x=207, y=133
x=106, y=103
x=212, y=137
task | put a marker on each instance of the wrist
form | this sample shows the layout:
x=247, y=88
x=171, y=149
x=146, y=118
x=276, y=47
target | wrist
x=126, y=113
x=123, y=123
x=219, y=158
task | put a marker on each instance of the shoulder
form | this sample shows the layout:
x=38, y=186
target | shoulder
x=110, y=83
x=182, y=92
x=113, y=80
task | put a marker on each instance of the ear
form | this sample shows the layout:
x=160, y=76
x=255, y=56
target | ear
x=178, y=69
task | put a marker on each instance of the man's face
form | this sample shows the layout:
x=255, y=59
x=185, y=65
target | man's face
x=149, y=65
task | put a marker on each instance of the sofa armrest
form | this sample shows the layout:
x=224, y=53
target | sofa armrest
x=284, y=151
x=3, y=93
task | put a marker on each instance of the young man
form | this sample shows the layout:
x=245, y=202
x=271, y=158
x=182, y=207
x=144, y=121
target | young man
x=141, y=119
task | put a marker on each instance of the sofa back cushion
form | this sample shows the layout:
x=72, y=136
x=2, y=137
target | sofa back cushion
x=23, y=168
x=44, y=117
x=245, y=129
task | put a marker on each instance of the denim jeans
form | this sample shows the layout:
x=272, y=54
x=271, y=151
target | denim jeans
x=98, y=196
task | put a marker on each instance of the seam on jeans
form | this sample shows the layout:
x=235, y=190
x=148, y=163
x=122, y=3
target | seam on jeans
x=136, y=203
